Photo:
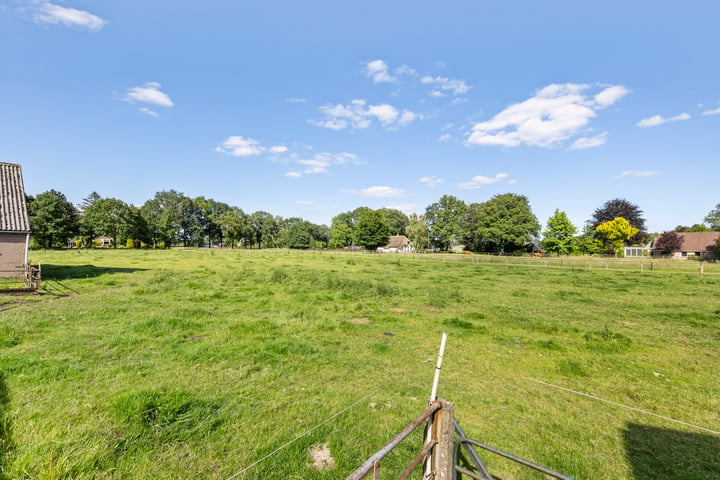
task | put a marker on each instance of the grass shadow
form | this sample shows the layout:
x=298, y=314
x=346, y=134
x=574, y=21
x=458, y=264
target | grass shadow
x=68, y=272
x=5, y=428
x=658, y=453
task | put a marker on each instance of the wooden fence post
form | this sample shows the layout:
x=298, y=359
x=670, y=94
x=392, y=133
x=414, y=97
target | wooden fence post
x=443, y=464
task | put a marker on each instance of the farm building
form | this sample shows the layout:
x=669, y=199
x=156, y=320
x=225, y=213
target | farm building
x=694, y=245
x=14, y=223
x=396, y=243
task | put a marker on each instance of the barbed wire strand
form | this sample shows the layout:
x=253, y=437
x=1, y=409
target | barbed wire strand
x=329, y=419
x=623, y=406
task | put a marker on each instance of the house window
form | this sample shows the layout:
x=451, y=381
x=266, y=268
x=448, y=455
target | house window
x=684, y=254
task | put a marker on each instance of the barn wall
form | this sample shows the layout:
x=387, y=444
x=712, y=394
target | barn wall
x=12, y=253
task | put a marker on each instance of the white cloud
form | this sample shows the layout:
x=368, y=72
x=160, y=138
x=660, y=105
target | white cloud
x=712, y=112
x=305, y=202
x=149, y=93
x=480, y=181
x=437, y=94
x=240, y=147
x=457, y=87
x=147, y=111
x=321, y=163
x=656, y=120
x=49, y=13
x=554, y=114
x=378, y=71
x=382, y=192
x=358, y=115
x=610, y=95
x=405, y=207
x=431, y=181
x=445, y=138
x=278, y=149
x=639, y=173
x=405, y=70
x=589, y=142
x=295, y=100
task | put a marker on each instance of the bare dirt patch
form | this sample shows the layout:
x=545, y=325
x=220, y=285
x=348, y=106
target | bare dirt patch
x=321, y=457
x=398, y=309
x=359, y=321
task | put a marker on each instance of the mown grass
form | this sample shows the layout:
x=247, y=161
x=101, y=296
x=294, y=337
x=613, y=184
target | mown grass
x=195, y=364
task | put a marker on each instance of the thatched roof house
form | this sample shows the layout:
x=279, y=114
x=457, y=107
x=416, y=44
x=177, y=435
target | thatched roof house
x=397, y=243
x=14, y=222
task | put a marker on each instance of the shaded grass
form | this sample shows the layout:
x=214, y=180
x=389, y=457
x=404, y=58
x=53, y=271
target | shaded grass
x=183, y=364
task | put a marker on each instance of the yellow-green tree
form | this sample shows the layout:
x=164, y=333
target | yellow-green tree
x=614, y=233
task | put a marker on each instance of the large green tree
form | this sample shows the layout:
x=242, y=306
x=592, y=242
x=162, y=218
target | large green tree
x=503, y=223
x=447, y=222
x=619, y=207
x=614, y=234
x=235, y=226
x=418, y=233
x=107, y=216
x=559, y=235
x=371, y=231
x=53, y=220
x=713, y=218
x=396, y=220
x=165, y=216
x=208, y=212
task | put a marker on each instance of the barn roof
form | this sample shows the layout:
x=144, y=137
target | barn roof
x=698, y=241
x=13, y=209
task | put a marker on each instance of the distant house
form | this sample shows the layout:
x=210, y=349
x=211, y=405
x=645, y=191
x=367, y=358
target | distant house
x=14, y=222
x=397, y=244
x=693, y=245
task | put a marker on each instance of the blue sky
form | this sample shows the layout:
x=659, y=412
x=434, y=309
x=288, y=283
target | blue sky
x=314, y=108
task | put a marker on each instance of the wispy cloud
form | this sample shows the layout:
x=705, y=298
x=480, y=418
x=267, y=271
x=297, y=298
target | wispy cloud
x=295, y=100
x=431, y=181
x=305, y=203
x=457, y=87
x=656, y=120
x=481, y=181
x=148, y=111
x=358, y=115
x=589, y=142
x=638, y=173
x=149, y=93
x=238, y=146
x=712, y=112
x=47, y=12
x=446, y=137
x=382, y=191
x=321, y=163
x=553, y=115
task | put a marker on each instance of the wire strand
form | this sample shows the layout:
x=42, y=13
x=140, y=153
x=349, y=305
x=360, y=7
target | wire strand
x=332, y=417
x=623, y=406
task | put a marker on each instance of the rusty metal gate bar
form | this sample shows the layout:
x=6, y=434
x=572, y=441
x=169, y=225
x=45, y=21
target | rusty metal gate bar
x=467, y=444
x=373, y=463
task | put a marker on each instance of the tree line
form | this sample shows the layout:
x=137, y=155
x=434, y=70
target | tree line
x=503, y=224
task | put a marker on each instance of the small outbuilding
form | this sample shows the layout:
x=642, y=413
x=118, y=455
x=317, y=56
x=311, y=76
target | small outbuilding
x=14, y=222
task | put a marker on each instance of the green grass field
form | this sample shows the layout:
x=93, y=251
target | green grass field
x=195, y=364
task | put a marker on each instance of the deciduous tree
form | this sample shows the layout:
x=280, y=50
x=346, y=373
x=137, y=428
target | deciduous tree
x=619, y=207
x=371, y=231
x=447, y=222
x=53, y=220
x=559, y=235
x=417, y=232
x=667, y=242
x=614, y=233
x=503, y=223
x=107, y=216
x=713, y=218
